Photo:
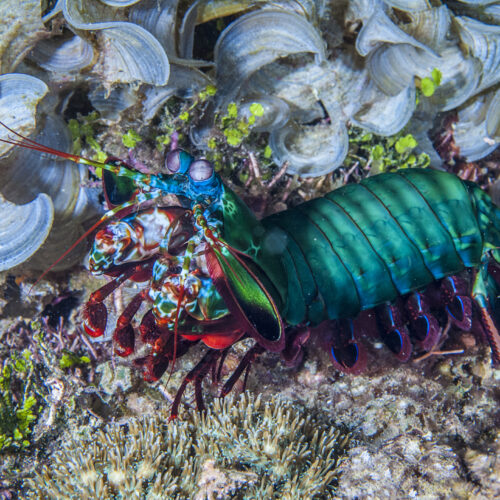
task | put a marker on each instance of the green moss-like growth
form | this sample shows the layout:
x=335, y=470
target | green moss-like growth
x=384, y=154
x=18, y=401
x=82, y=132
x=230, y=137
x=32, y=380
x=427, y=85
x=70, y=359
x=131, y=138
x=243, y=450
x=179, y=115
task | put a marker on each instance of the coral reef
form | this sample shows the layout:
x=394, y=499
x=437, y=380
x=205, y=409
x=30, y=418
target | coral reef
x=482, y=465
x=426, y=430
x=314, y=69
x=406, y=464
x=37, y=362
x=32, y=380
x=238, y=449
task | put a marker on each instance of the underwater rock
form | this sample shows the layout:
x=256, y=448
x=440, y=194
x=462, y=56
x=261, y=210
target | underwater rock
x=404, y=464
x=20, y=28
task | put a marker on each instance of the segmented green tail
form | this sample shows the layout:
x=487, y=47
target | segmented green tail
x=366, y=244
x=488, y=215
x=486, y=290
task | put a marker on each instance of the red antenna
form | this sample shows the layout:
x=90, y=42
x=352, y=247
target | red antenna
x=26, y=143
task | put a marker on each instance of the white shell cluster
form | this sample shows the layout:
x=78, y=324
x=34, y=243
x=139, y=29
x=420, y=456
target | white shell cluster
x=38, y=191
x=23, y=229
x=374, y=86
x=316, y=66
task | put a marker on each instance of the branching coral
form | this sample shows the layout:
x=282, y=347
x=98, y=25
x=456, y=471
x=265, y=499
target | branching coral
x=243, y=449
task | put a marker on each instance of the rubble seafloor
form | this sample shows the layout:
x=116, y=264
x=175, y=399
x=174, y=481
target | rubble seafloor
x=424, y=429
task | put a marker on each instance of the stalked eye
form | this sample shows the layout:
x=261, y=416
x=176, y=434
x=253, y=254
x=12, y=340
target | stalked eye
x=173, y=161
x=178, y=161
x=201, y=170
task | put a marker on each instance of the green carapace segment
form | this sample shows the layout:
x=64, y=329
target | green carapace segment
x=118, y=190
x=253, y=299
x=366, y=244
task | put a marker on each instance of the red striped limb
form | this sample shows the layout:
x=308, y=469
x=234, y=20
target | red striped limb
x=95, y=313
x=156, y=363
x=492, y=334
x=124, y=334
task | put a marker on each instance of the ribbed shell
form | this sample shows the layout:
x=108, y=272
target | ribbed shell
x=23, y=229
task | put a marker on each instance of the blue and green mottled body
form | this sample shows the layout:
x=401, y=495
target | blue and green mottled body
x=366, y=244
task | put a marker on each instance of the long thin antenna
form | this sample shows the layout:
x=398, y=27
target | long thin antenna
x=119, y=170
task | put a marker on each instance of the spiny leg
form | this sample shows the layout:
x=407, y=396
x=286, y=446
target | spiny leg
x=492, y=334
x=480, y=295
x=149, y=329
x=196, y=375
x=424, y=327
x=217, y=371
x=156, y=362
x=95, y=313
x=245, y=363
x=124, y=334
x=393, y=330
